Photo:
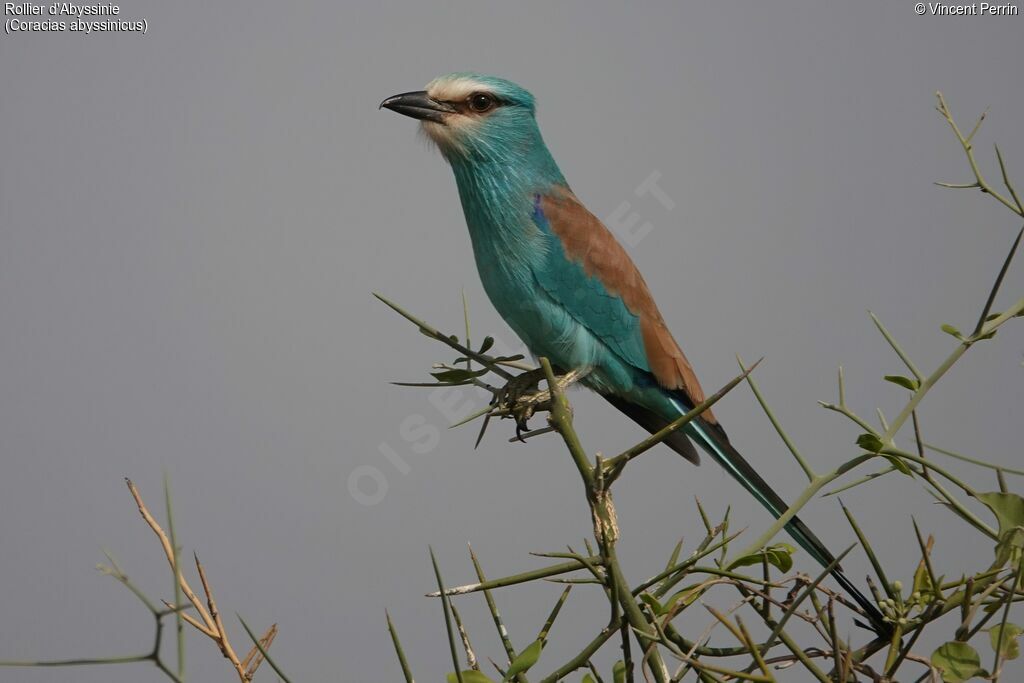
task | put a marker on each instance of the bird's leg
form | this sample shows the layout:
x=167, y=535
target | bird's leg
x=521, y=398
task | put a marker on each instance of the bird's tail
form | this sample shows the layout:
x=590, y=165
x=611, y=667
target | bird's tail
x=712, y=438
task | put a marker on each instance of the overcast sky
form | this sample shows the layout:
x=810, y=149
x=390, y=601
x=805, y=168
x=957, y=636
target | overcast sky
x=192, y=222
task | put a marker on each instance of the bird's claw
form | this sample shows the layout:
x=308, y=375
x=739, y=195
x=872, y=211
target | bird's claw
x=521, y=398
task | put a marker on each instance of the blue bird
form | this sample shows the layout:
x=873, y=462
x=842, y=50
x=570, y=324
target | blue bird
x=565, y=285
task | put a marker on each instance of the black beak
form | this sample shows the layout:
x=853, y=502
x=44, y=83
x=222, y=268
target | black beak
x=418, y=105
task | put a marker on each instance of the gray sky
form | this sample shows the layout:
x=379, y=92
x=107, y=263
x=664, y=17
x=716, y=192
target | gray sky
x=192, y=222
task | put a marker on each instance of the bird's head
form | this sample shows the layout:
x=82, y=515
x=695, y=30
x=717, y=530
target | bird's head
x=472, y=117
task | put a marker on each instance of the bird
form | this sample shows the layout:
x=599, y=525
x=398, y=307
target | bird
x=566, y=286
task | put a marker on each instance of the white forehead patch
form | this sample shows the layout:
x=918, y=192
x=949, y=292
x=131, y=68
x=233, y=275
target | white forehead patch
x=454, y=89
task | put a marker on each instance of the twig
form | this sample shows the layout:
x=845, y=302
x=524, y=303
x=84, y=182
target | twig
x=447, y=617
x=258, y=644
x=614, y=465
x=965, y=142
x=775, y=423
x=209, y=622
x=996, y=665
x=399, y=652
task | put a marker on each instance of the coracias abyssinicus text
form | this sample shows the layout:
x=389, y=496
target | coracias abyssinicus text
x=564, y=284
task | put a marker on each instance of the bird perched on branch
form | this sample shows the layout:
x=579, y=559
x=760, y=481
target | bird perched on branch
x=565, y=285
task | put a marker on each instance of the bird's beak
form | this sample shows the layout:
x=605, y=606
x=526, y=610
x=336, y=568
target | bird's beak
x=418, y=105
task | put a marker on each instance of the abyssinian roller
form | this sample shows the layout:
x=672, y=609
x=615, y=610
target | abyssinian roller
x=564, y=284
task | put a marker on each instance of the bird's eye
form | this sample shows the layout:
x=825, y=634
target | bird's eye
x=481, y=102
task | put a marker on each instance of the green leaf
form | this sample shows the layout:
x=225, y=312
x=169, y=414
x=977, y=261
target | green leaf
x=653, y=602
x=1010, y=547
x=687, y=595
x=470, y=676
x=870, y=443
x=958, y=662
x=779, y=555
x=524, y=660
x=587, y=678
x=905, y=382
x=486, y=345
x=1010, y=648
x=509, y=359
x=619, y=672
x=1008, y=509
x=453, y=376
x=898, y=463
x=992, y=607
x=923, y=583
x=952, y=331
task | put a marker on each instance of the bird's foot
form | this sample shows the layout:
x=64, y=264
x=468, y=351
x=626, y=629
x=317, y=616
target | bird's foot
x=521, y=398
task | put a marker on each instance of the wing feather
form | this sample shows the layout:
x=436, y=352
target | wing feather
x=611, y=294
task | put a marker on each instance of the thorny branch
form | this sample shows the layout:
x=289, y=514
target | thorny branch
x=646, y=612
